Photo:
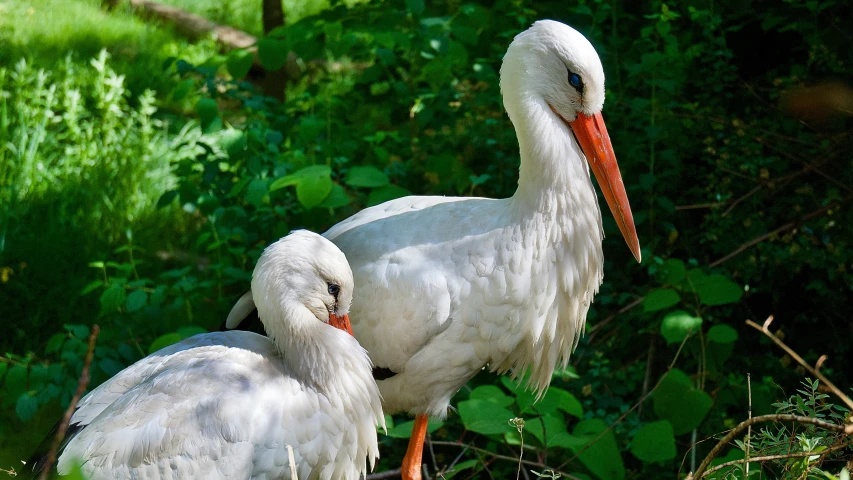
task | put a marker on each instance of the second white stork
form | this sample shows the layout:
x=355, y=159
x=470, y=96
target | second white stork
x=449, y=285
x=228, y=405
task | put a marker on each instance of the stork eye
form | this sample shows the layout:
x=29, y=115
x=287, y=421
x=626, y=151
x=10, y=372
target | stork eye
x=575, y=81
x=334, y=289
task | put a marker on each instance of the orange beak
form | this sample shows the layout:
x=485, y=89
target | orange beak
x=595, y=142
x=341, y=323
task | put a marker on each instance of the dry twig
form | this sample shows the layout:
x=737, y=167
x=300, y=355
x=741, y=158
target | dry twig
x=66, y=419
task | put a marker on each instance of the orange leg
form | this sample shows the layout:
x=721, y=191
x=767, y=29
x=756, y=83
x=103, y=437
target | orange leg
x=411, y=469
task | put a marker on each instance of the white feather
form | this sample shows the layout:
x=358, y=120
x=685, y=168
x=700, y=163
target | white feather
x=228, y=405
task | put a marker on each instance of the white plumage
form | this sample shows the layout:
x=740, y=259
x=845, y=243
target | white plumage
x=448, y=285
x=227, y=405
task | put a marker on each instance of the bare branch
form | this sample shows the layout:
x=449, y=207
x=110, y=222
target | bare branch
x=778, y=457
x=701, y=471
x=837, y=391
x=787, y=226
x=66, y=419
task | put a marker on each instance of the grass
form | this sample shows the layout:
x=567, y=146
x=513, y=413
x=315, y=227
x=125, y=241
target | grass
x=46, y=31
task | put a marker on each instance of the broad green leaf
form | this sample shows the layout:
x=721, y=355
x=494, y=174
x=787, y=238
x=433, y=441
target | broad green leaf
x=369, y=177
x=416, y=7
x=492, y=393
x=189, y=331
x=673, y=271
x=722, y=334
x=207, y=110
x=53, y=345
x=256, y=191
x=546, y=428
x=239, y=62
x=182, y=89
x=404, y=430
x=310, y=191
x=337, y=198
x=233, y=141
x=383, y=194
x=136, y=300
x=482, y=416
x=655, y=442
x=677, y=325
x=272, y=53
x=523, y=397
x=294, y=178
x=110, y=366
x=695, y=277
x=558, y=399
x=16, y=380
x=112, y=298
x=79, y=331
x=677, y=400
x=718, y=290
x=26, y=406
x=602, y=457
x=164, y=341
x=660, y=299
x=461, y=467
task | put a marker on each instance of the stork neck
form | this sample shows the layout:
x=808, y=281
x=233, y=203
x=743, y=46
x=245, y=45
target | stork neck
x=318, y=354
x=553, y=175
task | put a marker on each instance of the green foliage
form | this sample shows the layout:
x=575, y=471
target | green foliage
x=391, y=99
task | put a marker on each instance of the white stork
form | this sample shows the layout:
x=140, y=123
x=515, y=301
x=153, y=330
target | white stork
x=449, y=285
x=228, y=405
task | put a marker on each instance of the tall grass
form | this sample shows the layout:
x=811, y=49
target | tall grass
x=80, y=166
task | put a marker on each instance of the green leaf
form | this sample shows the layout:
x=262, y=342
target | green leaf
x=187, y=332
x=673, y=271
x=256, y=191
x=26, y=406
x=660, y=299
x=337, y=198
x=546, y=429
x=182, y=89
x=485, y=417
x=369, y=177
x=136, y=300
x=272, y=53
x=718, y=290
x=91, y=286
x=655, y=442
x=239, y=62
x=492, y=393
x=404, y=430
x=207, y=110
x=110, y=366
x=16, y=381
x=164, y=341
x=383, y=194
x=233, y=141
x=416, y=7
x=722, y=334
x=55, y=343
x=677, y=325
x=294, y=178
x=460, y=467
x=558, y=399
x=602, y=457
x=112, y=298
x=311, y=191
x=676, y=399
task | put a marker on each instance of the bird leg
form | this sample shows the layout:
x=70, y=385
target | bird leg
x=411, y=469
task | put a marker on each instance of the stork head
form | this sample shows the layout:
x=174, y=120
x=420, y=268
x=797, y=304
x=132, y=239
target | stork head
x=299, y=280
x=554, y=64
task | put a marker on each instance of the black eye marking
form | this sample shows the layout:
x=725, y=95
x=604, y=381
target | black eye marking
x=575, y=81
x=334, y=289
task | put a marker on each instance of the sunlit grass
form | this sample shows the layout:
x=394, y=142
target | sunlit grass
x=45, y=31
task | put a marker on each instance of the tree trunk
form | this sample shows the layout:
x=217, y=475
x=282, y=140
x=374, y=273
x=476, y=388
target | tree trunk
x=274, y=83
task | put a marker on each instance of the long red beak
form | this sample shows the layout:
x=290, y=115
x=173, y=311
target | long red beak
x=595, y=142
x=341, y=322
